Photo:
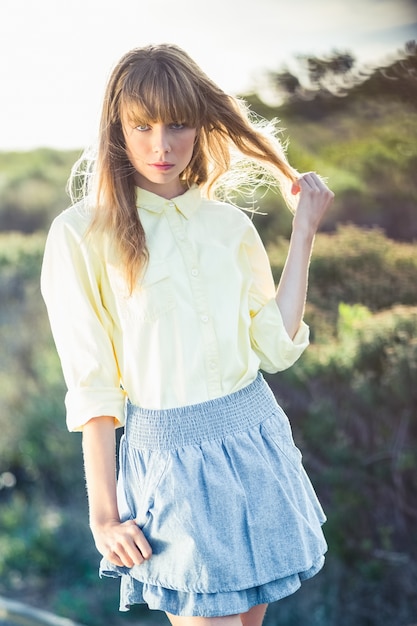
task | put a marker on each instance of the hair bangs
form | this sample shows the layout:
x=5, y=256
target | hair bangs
x=161, y=96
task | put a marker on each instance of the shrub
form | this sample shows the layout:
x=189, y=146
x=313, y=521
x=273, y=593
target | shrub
x=355, y=266
x=353, y=408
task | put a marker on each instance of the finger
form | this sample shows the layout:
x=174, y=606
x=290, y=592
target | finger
x=133, y=555
x=115, y=559
x=139, y=540
x=319, y=182
x=310, y=181
x=303, y=183
x=143, y=546
x=126, y=555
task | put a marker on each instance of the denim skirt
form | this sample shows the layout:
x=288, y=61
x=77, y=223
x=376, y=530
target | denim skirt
x=220, y=492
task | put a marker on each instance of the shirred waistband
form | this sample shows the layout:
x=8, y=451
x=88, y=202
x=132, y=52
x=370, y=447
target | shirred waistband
x=164, y=429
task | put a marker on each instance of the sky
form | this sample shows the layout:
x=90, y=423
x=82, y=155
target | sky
x=56, y=55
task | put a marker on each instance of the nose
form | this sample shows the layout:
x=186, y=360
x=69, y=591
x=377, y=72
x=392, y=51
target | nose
x=160, y=139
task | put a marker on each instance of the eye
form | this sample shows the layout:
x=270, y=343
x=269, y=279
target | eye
x=177, y=125
x=142, y=127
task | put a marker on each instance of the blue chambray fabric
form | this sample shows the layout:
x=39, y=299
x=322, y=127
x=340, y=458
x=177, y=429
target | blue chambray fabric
x=220, y=492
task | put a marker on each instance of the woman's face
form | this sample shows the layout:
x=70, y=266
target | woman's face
x=159, y=152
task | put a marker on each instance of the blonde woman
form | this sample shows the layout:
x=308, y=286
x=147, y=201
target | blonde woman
x=164, y=310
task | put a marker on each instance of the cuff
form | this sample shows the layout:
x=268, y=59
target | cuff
x=271, y=342
x=85, y=403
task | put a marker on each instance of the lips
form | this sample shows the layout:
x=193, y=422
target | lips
x=162, y=166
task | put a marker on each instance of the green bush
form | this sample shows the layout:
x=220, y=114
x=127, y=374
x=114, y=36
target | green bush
x=353, y=404
x=355, y=266
x=32, y=186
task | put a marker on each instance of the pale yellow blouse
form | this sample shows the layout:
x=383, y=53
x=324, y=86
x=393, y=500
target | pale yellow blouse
x=201, y=323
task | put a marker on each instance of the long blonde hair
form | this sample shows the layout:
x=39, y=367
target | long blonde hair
x=162, y=83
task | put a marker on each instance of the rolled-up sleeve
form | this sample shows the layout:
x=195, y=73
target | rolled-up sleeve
x=81, y=326
x=270, y=341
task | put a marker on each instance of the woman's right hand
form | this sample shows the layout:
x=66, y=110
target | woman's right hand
x=121, y=543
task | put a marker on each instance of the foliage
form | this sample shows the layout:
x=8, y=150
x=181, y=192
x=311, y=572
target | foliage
x=318, y=84
x=363, y=142
x=354, y=266
x=353, y=408
x=326, y=74
x=368, y=156
x=351, y=398
x=32, y=187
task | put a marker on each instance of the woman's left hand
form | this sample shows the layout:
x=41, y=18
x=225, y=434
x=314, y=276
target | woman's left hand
x=315, y=199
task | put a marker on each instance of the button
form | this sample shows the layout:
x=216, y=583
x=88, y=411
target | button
x=213, y=365
x=171, y=204
x=181, y=236
x=204, y=318
x=194, y=271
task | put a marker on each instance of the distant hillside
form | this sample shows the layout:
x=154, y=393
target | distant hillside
x=32, y=187
x=359, y=129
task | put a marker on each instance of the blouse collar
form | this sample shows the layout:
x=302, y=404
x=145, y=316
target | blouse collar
x=187, y=203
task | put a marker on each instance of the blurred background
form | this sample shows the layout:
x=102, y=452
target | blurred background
x=342, y=79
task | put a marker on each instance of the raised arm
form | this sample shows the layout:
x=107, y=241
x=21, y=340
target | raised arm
x=315, y=199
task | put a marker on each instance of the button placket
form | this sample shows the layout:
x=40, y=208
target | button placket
x=200, y=301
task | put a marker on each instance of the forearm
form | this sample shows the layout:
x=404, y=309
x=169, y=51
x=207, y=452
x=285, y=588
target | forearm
x=123, y=544
x=100, y=469
x=315, y=199
x=292, y=289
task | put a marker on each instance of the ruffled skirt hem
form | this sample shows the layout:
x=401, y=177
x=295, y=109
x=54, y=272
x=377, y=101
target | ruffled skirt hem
x=184, y=603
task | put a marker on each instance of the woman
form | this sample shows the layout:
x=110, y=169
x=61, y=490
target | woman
x=163, y=309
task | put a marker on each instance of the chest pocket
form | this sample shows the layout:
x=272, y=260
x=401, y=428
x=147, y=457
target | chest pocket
x=154, y=296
